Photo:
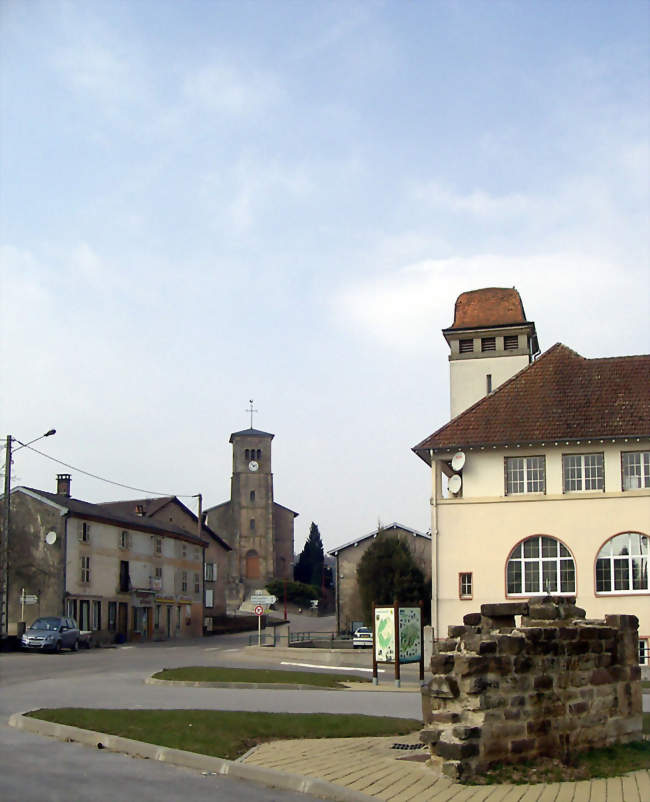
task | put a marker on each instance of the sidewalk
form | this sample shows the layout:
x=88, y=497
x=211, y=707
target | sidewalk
x=352, y=770
x=374, y=768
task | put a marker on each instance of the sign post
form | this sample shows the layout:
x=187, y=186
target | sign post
x=397, y=638
x=259, y=612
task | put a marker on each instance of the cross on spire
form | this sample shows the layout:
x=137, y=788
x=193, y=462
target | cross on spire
x=251, y=410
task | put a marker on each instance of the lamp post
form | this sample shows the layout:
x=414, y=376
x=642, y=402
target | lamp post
x=4, y=544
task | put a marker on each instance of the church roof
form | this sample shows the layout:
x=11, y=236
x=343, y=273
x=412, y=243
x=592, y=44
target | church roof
x=489, y=307
x=561, y=396
x=250, y=433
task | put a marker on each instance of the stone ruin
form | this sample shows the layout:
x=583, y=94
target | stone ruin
x=556, y=685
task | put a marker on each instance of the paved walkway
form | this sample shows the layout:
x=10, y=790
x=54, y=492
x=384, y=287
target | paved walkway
x=372, y=767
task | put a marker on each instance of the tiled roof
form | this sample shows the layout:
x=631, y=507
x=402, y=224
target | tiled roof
x=492, y=306
x=151, y=506
x=561, y=396
x=388, y=529
x=102, y=513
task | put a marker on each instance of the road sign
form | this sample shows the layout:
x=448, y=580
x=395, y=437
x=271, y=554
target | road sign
x=259, y=610
x=29, y=599
x=265, y=599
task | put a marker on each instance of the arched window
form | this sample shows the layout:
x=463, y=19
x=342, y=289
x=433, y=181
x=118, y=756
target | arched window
x=252, y=495
x=540, y=564
x=259, y=453
x=622, y=564
x=252, y=564
x=247, y=453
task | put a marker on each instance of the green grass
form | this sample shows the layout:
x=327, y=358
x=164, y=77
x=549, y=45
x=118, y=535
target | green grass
x=205, y=674
x=224, y=733
x=645, y=684
x=611, y=761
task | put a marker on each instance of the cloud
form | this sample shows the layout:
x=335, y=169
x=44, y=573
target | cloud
x=231, y=92
x=406, y=309
x=478, y=203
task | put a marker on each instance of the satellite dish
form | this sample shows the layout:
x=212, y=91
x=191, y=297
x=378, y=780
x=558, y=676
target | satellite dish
x=50, y=538
x=458, y=461
x=455, y=483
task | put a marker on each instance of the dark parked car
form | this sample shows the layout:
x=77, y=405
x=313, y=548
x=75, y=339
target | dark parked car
x=52, y=633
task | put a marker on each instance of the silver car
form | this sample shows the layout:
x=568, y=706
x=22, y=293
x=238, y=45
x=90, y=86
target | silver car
x=52, y=633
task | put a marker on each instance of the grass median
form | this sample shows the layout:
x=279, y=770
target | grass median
x=221, y=733
x=255, y=675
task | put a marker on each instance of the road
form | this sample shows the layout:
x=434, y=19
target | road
x=33, y=768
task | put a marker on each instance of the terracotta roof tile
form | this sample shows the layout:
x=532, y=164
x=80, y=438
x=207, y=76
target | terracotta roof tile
x=492, y=306
x=560, y=396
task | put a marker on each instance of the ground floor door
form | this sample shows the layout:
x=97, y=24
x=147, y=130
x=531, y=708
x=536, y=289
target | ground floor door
x=123, y=618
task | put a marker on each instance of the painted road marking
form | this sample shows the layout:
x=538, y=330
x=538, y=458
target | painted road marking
x=331, y=668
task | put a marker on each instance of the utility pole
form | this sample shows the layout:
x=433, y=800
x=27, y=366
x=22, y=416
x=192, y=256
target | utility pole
x=4, y=551
x=6, y=523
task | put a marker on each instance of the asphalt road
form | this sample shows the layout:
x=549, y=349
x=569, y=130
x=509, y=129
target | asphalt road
x=34, y=768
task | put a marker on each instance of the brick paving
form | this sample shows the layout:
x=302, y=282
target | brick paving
x=370, y=766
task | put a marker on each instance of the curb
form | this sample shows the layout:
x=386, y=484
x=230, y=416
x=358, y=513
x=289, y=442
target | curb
x=279, y=686
x=267, y=686
x=271, y=778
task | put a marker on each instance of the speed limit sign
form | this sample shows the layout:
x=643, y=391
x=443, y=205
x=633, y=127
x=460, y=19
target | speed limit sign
x=259, y=610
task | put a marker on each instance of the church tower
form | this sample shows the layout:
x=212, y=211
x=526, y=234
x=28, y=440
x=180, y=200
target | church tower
x=490, y=340
x=257, y=528
x=252, y=504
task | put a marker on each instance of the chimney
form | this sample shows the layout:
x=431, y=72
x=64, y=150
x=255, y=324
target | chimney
x=63, y=484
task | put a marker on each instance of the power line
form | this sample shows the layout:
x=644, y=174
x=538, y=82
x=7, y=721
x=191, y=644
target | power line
x=109, y=481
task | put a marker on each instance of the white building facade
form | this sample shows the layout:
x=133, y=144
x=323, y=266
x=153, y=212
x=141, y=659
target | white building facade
x=552, y=493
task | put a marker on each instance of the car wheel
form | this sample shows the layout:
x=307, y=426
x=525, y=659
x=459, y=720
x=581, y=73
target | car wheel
x=57, y=647
x=75, y=646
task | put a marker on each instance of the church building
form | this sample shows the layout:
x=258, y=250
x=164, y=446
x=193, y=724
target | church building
x=257, y=528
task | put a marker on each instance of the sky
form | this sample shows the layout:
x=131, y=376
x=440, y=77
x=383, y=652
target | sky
x=203, y=203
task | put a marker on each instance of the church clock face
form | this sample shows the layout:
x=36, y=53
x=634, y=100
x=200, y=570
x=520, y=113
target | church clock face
x=253, y=466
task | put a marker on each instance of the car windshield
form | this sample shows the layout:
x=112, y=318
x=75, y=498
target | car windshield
x=46, y=623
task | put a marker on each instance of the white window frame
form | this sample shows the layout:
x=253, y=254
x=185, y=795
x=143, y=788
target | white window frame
x=210, y=572
x=183, y=581
x=465, y=585
x=641, y=470
x=532, y=564
x=157, y=544
x=85, y=569
x=580, y=470
x=209, y=597
x=84, y=532
x=124, y=539
x=644, y=651
x=633, y=550
x=520, y=475
x=197, y=583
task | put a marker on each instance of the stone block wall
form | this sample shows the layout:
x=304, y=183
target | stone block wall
x=556, y=685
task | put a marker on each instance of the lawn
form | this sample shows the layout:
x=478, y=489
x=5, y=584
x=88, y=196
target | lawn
x=223, y=733
x=205, y=674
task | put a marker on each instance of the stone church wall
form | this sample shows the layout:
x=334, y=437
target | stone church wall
x=556, y=685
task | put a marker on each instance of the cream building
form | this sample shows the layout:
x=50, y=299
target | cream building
x=550, y=488
x=120, y=576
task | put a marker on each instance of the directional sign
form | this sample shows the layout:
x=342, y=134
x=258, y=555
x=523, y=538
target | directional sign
x=29, y=599
x=259, y=610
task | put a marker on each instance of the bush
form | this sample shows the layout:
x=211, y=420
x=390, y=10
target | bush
x=297, y=592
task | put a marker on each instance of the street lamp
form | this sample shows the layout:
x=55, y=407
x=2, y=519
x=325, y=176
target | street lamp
x=4, y=545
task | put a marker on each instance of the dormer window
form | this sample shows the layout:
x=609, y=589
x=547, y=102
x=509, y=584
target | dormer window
x=466, y=346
